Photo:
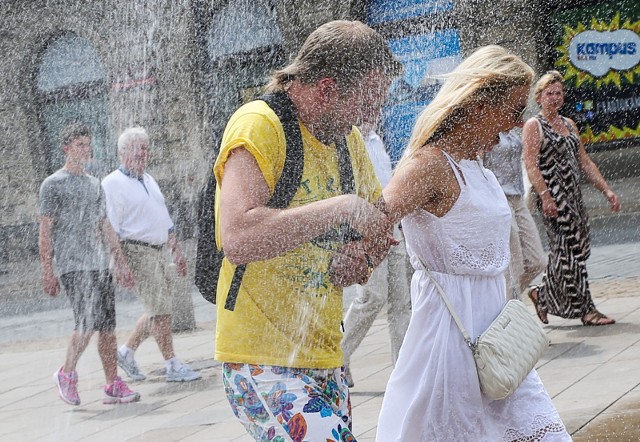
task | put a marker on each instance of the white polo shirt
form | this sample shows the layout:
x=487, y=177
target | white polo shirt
x=379, y=158
x=136, y=207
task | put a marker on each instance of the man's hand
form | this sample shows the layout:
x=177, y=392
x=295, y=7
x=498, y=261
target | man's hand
x=124, y=276
x=51, y=284
x=349, y=266
x=180, y=262
x=353, y=263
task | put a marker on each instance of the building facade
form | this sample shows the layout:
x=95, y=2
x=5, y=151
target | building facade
x=179, y=68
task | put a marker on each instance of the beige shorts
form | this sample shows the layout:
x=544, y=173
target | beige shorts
x=155, y=277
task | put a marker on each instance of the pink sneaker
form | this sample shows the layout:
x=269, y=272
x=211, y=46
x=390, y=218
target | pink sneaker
x=67, y=386
x=119, y=392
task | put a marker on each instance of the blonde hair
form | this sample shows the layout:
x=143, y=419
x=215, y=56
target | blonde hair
x=486, y=76
x=343, y=50
x=545, y=81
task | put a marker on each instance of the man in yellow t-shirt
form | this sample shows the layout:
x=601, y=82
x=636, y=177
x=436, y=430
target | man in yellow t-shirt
x=281, y=343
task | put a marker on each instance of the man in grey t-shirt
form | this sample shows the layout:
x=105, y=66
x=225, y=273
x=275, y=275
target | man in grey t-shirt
x=73, y=232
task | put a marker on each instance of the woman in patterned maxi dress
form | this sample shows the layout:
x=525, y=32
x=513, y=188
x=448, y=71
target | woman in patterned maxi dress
x=457, y=224
x=554, y=158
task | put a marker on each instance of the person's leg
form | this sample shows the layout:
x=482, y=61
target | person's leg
x=514, y=272
x=77, y=345
x=146, y=265
x=161, y=331
x=104, y=322
x=288, y=403
x=364, y=310
x=534, y=259
x=107, y=350
x=399, y=294
x=140, y=332
x=78, y=288
x=155, y=286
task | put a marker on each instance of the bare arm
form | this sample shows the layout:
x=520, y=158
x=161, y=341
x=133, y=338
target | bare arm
x=251, y=231
x=45, y=244
x=426, y=181
x=122, y=271
x=593, y=174
x=531, y=143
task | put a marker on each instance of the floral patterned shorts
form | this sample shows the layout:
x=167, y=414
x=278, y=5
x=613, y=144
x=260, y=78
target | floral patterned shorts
x=289, y=404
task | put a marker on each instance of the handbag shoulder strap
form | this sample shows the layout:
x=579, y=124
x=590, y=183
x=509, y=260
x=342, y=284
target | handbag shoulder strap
x=454, y=315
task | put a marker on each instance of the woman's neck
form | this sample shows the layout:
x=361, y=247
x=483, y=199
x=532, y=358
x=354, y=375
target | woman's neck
x=457, y=149
x=550, y=114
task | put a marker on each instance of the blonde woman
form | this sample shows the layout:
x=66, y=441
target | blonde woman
x=457, y=224
x=554, y=158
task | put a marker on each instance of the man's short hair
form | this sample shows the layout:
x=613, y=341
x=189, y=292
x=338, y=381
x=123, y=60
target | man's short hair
x=343, y=50
x=129, y=135
x=73, y=131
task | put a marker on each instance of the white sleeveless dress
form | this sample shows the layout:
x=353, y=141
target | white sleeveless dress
x=433, y=393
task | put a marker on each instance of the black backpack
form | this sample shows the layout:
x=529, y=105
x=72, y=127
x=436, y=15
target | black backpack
x=208, y=257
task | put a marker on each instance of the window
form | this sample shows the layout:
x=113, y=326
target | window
x=243, y=45
x=71, y=87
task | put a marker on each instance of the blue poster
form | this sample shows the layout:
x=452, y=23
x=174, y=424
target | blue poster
x=424, y=57
x=382, y=11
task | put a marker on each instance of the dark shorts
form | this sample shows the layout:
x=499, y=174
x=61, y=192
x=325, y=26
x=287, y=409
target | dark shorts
x=93, y=300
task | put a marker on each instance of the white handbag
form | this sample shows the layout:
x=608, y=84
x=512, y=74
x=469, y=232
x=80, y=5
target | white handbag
x=507, y=351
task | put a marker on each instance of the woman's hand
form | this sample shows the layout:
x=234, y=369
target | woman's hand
x=367, y=219
x=549, y=208
x=613, y=199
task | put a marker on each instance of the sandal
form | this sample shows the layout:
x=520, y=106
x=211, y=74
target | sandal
x=595, y=318
x=542, y=315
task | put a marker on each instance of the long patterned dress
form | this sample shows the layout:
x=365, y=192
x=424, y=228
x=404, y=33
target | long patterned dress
x=564, y=290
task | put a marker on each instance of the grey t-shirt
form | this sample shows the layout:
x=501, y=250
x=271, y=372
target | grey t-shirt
x=76, y=204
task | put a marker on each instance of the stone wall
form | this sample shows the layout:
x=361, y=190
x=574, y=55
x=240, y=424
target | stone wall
x=186, y=99
x=153, y=39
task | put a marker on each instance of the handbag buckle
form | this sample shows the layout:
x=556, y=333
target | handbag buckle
x=472, y=345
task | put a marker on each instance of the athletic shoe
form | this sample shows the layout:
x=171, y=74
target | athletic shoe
x=130, y=368
x=348, y=377
x=183, y=373
x=67, y=386
x=119, y=392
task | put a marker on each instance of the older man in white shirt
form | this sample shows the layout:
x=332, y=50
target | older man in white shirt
x=137, y=211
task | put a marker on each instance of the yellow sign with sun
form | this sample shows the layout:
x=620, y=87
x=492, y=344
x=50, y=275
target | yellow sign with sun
x=600, y=59
x=573, y=52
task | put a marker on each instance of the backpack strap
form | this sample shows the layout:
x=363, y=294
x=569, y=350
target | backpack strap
x=344, y=232
x=347, y=183
x=290, y=177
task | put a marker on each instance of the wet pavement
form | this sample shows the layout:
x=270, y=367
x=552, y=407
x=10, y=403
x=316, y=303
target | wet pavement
x=591, y=373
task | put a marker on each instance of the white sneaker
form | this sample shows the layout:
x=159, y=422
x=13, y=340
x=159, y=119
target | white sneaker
x=183, y=373
x=130, y=368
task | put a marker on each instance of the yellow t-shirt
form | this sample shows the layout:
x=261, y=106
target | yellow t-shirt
x=287, y=313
